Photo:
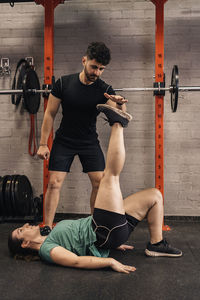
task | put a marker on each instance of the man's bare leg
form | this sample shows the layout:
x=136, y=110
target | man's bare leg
x=53, y=195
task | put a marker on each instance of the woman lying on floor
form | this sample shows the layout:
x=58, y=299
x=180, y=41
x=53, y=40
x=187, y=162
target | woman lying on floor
x=85, y=243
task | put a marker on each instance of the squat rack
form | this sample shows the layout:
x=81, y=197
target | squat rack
x=49, y=6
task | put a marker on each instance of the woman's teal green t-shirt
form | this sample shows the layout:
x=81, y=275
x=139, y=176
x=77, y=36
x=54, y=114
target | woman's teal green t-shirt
x=76, y=236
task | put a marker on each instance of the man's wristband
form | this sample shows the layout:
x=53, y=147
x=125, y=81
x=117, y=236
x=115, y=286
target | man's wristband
x=43, y=144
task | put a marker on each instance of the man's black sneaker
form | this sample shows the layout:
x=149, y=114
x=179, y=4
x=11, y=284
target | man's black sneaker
x=162, y=249
x=114, y=115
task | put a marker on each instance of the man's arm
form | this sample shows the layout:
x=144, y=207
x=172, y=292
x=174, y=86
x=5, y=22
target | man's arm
x=66, y=258
x=47, y=125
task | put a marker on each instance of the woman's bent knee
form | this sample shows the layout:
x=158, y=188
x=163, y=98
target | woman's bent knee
x=157, y=195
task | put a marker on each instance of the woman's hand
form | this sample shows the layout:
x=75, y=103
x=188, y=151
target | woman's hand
x=125, y=247
x=118, y=267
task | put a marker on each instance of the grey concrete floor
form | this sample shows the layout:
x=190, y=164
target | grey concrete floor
x=155, y=278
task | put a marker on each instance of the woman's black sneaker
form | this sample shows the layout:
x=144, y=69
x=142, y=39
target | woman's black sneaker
x=114, y=115
x=162, y=249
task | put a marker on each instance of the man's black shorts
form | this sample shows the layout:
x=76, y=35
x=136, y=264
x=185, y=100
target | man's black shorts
x=62, y=156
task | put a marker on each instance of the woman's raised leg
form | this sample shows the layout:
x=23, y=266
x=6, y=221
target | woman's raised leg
x=109, y=195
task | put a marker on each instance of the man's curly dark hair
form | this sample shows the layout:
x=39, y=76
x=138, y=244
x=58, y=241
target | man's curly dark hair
x=99, y=52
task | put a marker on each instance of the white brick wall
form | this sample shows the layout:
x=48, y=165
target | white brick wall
x=128, y=28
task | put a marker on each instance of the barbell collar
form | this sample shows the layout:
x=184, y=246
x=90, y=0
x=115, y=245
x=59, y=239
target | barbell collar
x=34, y=91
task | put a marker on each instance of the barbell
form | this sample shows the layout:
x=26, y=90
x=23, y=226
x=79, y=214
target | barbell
x=158, y=89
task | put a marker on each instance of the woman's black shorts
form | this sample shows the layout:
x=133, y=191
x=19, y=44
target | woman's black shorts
x=112, y=229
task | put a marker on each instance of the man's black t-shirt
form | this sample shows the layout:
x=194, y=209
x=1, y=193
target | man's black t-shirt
x=78, y=101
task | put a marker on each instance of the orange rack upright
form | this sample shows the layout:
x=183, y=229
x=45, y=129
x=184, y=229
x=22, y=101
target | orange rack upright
x=159, y=99
x=49, y=6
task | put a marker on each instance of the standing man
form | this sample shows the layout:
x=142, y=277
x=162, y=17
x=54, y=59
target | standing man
x=78, y=94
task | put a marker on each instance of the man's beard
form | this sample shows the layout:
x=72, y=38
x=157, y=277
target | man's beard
x=89, y=77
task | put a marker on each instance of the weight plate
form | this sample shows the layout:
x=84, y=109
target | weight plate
x=41, y=205
x=20, y=82
x=175, y=85
x=12, y=195
x=17, y=83
x=23, y=195
x=31, y=100
x=15, y=188
x=2, y=208
x=35, y=210
x=7, y=197
x=5, y=207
